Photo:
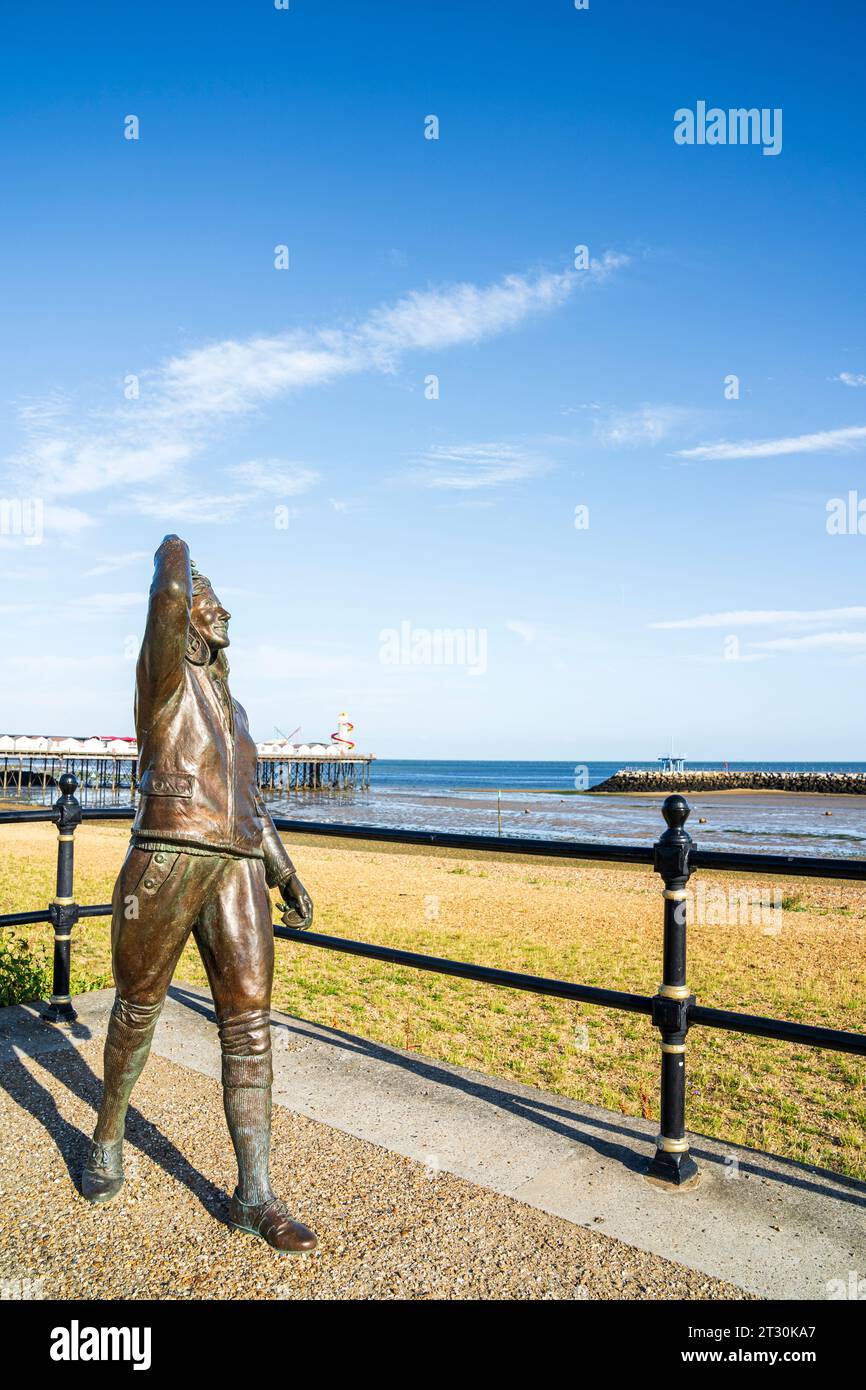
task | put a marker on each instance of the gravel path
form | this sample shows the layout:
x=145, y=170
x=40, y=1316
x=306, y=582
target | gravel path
x=388, y=1227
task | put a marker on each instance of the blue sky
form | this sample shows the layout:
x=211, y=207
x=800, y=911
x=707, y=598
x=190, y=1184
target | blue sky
x=282, y=424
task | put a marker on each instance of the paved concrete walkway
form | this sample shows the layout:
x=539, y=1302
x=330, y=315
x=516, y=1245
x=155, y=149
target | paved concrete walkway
x=772, y=1227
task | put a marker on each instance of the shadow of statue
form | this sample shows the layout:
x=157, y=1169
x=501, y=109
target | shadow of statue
x=69, y=1068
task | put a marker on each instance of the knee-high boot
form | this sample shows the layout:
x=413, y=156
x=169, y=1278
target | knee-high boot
x=247, y=1100
x=247, y=1077
x=127, y=1044
x=247, y=1074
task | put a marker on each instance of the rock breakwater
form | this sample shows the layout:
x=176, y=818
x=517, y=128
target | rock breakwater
x=742, y=780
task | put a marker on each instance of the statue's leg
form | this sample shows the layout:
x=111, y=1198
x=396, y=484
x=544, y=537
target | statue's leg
x=155, y=903
x=127, y=1045
x=235, y=936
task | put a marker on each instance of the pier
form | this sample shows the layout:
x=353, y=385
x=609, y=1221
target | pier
x=111, y=765
x=314, y=771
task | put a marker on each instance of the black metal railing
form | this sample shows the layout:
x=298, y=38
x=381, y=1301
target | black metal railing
x=673, y=1008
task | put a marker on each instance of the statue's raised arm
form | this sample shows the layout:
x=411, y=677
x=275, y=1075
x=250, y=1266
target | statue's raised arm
x=160, y=661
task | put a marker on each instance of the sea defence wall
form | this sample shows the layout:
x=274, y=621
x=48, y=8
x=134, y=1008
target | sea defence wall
x=703, y=780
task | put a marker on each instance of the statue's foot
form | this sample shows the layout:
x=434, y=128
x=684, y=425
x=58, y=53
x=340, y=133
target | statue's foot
x=102, y=1177
x=271, y=1222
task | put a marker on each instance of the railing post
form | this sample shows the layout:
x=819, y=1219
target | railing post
x=64, y=909
x=673, y=1164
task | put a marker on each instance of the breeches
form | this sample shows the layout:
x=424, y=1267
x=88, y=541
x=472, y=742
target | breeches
x=159, y=899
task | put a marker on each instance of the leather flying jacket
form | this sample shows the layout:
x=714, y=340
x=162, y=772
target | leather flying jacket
x=196, y=758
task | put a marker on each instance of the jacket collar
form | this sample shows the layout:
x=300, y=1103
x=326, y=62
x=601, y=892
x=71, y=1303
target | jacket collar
x=197, y=650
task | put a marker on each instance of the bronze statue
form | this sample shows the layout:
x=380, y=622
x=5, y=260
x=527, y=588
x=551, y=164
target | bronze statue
x=203, y=854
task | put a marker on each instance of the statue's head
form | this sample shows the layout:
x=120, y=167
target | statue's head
x=208, y=616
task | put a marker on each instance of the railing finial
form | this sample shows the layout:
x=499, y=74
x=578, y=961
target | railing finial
x=676, y=811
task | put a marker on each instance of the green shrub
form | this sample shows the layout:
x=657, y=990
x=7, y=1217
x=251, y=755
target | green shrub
x=23, y=976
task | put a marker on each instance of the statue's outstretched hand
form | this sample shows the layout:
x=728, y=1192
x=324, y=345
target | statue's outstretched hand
x=299, y=905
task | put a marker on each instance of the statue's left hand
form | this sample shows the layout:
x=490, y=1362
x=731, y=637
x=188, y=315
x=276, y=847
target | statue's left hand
x=299, y=905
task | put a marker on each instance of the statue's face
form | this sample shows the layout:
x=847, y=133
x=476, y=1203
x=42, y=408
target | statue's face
x=210, y=619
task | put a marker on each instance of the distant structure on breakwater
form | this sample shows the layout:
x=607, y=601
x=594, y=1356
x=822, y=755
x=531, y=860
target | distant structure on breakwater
x=111, y=763
x=696, y=779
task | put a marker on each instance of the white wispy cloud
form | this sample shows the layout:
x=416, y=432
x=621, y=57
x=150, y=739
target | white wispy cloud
x=278, y=476
x=202, y=508
x=723, y=659
x=57, y=524
x=813, y=641
x=467, y=504
x=77, y=462
x=766, y=617
x=465, y=313
x=527, y=632
x=48, y=666
x=20, y=572
x=42, y=410
x=67, y=521
x=542, y=639
x=111, y=563
x=105, y=603
x=233, y=377
x=851, y=378
x=274, y=661
x=766, y=647
x=824, y=441
x=183, y=400
x=478, y=465
x=648, y=424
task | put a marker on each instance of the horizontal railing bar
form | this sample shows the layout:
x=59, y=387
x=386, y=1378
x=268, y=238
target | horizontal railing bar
x=13, y=817
x=23, y=919
x=780, y=1029
x=798, y=866
x=446, y=839
x=485, y=974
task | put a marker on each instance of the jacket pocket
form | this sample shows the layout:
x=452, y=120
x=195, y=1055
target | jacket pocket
x=166, y=784
x=155, y=870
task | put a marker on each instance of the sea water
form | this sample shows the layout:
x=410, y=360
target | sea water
x=541, y=799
